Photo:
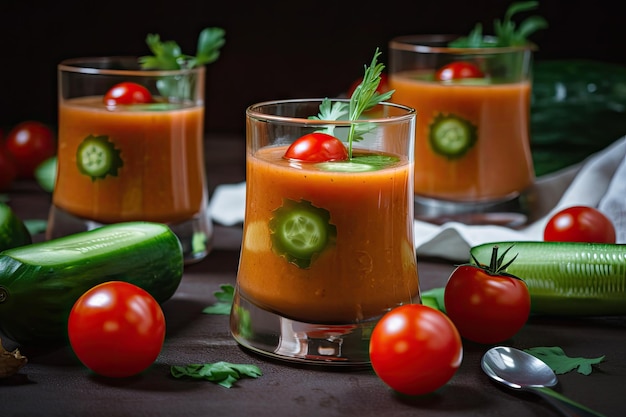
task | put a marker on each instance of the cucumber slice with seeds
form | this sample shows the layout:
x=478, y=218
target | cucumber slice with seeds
x=300, y=231
x=97, y=157
x=452, y=136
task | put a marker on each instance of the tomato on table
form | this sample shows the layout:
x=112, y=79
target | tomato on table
x=116, y=329
x=127, y=93
x=486, y=304
x=317, y=147
x=415, y=349
x=30, y=143
x=458, y=70
x=579, y=224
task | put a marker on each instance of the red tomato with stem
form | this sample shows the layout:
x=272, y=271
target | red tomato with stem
x=127, y=93
x=116, y=329
x=317, y=147
x=415, y=349
x=458, y=70
x=486, y=304
x=579, y=224
x=30, y=143
x=8, y=171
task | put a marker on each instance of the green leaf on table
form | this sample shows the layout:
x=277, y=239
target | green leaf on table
x=222, y=373
x=560, y=363
x=224, y=301
x=434, y=298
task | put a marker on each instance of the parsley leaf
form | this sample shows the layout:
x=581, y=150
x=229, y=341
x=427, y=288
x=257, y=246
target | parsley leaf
x=434, y=298
x=560, y=363
x=506, y=33
x=221, y=373
x=224, y=301
x=169, y=56
x=363, y=98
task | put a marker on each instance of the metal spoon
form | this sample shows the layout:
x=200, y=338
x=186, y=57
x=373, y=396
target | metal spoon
x=520, y=370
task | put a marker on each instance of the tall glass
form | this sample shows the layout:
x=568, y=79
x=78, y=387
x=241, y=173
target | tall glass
x=472, y=149
x=327, y=247
x=131, y=162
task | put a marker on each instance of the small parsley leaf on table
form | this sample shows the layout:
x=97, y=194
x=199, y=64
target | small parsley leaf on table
x=224, y=301
x=560, y=363
x=221, y=373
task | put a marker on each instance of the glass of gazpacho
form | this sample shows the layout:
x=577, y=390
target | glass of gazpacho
x=472, y=153
x=328, y=233
x=131, y=148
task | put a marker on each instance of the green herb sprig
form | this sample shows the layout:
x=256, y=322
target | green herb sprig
x=506, y=32
x=169, y=56
x=364, y=97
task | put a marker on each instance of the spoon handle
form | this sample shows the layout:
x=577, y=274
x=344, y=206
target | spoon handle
x=567, y=406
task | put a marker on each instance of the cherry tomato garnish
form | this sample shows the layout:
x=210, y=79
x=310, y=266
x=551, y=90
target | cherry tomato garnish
x=116, y=329
x=127, y=93
x=579, y=224
x=415, y=349
x=485, y=304
x=458, y=70
x=317, y=147
x=29, y=144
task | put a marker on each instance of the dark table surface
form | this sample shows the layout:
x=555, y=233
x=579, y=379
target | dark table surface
x=53, y=383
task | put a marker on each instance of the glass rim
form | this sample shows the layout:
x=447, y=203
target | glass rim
x=420, y=43
x=253, y=111
x=87, y=65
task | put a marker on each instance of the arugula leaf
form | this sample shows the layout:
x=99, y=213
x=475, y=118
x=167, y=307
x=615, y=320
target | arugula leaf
x=169, y=56
x=221, y=373
x=505, y=32
x=560, y=363
x=224, y=301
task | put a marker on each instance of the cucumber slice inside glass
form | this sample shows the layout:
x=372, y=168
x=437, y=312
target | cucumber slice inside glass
x=452, y=136
x=97, y=157
x=300, y=231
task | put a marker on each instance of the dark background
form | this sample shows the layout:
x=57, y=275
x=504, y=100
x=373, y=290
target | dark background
x=274, y=49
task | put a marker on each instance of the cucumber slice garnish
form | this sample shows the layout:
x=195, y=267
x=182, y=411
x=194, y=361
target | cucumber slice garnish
x=299, y=231
x=97, y=157
x=359, y=163
x=452, y=136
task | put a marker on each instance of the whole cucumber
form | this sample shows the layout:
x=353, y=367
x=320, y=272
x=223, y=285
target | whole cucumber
x=567, y=278
x=40, y=282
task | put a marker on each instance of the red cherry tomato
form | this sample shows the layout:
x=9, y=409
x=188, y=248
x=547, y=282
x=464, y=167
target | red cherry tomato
x=485, y=304
x=116, y=329
x=415, y=349
x=8, y=171
x=127, y=93
x=317, y=147
x=383, y=86
x=580, y=224
x=30, y=143
x=458, y=70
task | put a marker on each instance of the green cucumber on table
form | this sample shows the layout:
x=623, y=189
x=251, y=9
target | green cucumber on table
x=40, y=282
x=564, y=278
x=13, y=232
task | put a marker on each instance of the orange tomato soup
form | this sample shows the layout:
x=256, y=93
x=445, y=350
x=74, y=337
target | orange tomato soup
x=498, y=165
x=367, y=269
x=157, y=170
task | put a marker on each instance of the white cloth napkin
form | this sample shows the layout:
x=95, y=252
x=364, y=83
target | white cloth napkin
x=599, y=181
